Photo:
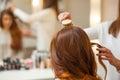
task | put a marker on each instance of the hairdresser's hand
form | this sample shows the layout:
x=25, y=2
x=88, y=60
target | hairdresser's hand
x=64, y=16
x=106, y=54
x=11, y=7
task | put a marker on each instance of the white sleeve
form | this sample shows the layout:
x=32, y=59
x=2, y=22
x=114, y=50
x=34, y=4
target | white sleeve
x=41, y=15
x=93, y=32
x=21, y=14
x=34, y=17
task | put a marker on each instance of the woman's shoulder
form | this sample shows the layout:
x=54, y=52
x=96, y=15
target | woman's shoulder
x=106, y=24
x=1, y=31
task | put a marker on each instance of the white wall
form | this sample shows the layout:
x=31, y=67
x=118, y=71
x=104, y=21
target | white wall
x=109, y=9
x=79, y=10
x=24, y=5
x=95, y=12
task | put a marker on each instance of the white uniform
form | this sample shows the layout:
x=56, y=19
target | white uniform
x=100, y=32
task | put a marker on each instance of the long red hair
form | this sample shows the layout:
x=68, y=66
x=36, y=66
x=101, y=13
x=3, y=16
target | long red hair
x=72, y=57
x=16, y=43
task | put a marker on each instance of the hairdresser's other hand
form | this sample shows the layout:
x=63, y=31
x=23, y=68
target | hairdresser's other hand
x=106, y=54
x=11, y=7
x=64, y=16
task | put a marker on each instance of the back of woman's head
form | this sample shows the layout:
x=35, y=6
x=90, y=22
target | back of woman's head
x=72, y=57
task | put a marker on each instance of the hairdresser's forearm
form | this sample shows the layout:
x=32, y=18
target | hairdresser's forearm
x=117, y=64
x=21, y=15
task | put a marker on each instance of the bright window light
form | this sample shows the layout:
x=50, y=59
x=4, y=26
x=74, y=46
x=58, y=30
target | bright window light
x=95, y=19
x=35, y=3
x=95, y=12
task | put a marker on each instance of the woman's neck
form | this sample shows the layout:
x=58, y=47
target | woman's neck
x=6, y=30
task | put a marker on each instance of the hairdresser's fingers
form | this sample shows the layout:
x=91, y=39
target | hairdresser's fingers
x=103, y=54
x=68, y=15
x=108, y=56
x=103, y=49
x=99, y=46
x=105, y=58
x=11, y=7
x=64, y=16
x=61, y=16
x=112, y=60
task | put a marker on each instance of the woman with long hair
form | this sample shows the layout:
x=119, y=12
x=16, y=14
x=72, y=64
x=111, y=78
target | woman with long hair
x=44, y=23
x=72, y=57
x=10, y=35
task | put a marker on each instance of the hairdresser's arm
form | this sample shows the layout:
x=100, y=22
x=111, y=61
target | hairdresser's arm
x=106, y=54
x=42, y=15
x=39, y=16
x=93, y=32
x=21, y=14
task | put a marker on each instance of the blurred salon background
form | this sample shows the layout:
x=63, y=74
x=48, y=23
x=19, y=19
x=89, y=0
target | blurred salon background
x=37, y=24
